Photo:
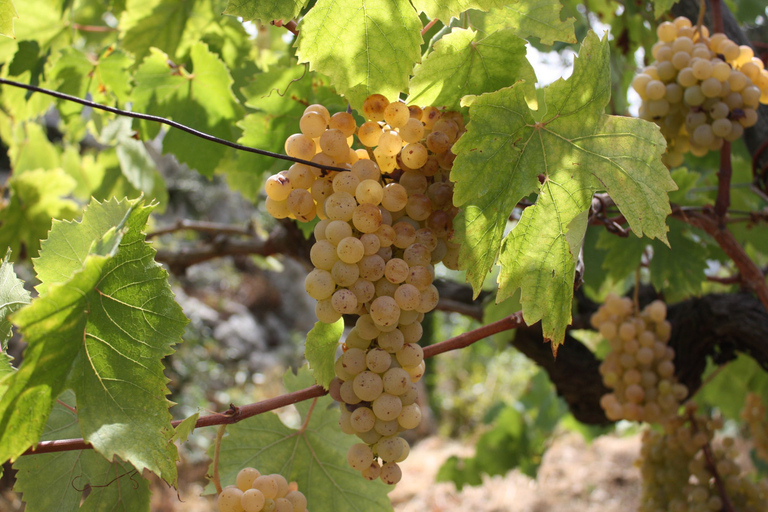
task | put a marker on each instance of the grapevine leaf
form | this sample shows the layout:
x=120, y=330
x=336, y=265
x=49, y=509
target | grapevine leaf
x=105, y=78
x=677, y=271
x=202, y=99
x=27, y=66
x=55, y=481
x=445, y=10
x=185, y=428
x=13, y=296
x=6, y=370
x=464, y=62
x=533, y=18
x=31, y=149
x=685, y=181
x=36, y=197
x=320, y=350
x=315, y=457
x=41, y=21
x=267, y=11
x=516, y=440
x=101, y=330
x=574, y=151
x=154, y=24
x=731, y=384
x=7, y=15
x=661, y=7
x=64, y=252
x=623, y=254
x=363, y=46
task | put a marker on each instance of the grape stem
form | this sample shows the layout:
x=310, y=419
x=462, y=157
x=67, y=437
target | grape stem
x=290, y=26
x=216, y=452
x=162, y=120
x=710, y=460
x=237, y=414
x=723, y=200
x=428, y=26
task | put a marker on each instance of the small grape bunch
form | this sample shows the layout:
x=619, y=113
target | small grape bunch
x=679, y=476
x=254, y=492
x=700, y=90
x=639, y=367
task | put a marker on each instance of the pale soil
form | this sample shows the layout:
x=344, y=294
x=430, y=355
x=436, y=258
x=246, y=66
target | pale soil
x=573, y=477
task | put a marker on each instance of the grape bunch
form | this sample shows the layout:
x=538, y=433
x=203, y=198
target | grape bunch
x=701, y=90
x=254, y=492
x=639, y=367
x=754, y=413
x=383, y=226
x=679, y=465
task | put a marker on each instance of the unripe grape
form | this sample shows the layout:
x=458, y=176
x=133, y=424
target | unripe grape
x=387, y=407
x=395, y=197
x=390, y=473
x=267, y=485
x=368, y=386
x=374, y=107
x=229, y=500
x=367, y=218
x=345, y=274
x=313, y=124
x=278, y=187
x=391, y=341
x=359, y=456
x=319, y=284
x=385, y=311
x=325, y=312
x=362, y=419
x=390, y=144
x=412, y=131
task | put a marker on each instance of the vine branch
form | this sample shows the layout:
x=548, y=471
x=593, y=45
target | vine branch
x=752, y=275
x=237, y=414
x=162, y=120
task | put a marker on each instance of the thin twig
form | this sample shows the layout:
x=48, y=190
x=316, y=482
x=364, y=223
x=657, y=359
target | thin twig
x=237, y=414
x=92, y=28
x=305, y=423
x=202, y=227
x=72, y=409
x=428, y=26
x=162, y=120
x=216, y=452
x=290, y=26
x=702, y=11
x=752, y=275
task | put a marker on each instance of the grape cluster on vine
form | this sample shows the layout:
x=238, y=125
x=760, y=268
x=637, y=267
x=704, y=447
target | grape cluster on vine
x=639, y=367
x=383, y=226
x=701, y=90
x=254, y=492
x=684, y=471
